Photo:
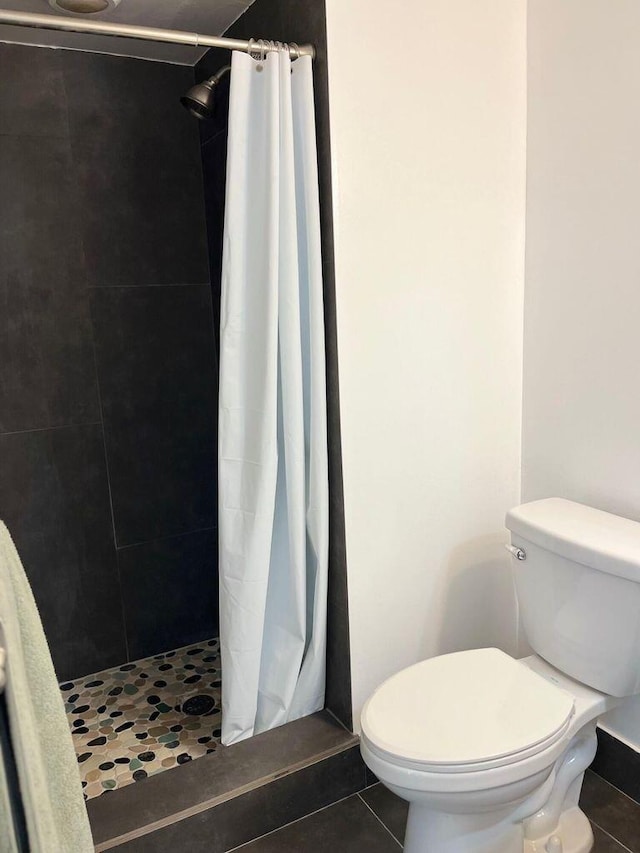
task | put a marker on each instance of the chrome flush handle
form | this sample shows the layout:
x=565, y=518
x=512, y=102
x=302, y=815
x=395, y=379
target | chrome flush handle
x=516, y=552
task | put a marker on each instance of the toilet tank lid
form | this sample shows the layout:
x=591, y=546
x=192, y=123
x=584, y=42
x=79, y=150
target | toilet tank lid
x=580, y=533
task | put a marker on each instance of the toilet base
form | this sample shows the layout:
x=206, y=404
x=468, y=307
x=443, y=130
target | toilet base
x=439, y=832
x=573, y=835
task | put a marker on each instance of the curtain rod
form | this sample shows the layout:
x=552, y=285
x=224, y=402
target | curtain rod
x=55, y=22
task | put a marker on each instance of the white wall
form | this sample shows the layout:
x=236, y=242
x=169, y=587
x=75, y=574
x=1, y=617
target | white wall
x=427, y=107
x=581, y=426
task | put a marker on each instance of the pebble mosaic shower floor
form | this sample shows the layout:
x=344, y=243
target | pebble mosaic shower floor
x=144, y=717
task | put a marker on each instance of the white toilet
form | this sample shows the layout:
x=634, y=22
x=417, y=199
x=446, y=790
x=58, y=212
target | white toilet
x=490, y=751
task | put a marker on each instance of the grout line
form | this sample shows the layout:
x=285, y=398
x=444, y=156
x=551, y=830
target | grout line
x=212, y=138
x=122, y=610
x=380, y=821
x=339, y=721
x=291, y=823
x=109, y=490
x=163, y=538
x=615, y=787
x=613, y=838
x=92, y=326
x=104, y=437
x=113, y=527
x=49, y=428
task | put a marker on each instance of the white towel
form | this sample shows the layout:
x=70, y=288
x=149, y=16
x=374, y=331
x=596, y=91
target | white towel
x=54, y=808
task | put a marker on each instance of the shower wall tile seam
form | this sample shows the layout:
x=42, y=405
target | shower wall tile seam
x=125, y=628
x=101, y=410
x=165, y=538
x=50, y=428
x=73, y=141
x=216, y=135
x=125, y=633
x=340, y=722
x=118, y=578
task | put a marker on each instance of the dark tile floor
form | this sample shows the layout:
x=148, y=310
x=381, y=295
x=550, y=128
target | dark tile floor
x=374, y=821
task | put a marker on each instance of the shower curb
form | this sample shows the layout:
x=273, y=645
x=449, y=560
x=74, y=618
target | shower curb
x=240, y=793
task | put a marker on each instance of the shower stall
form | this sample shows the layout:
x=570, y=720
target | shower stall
x=111, y=244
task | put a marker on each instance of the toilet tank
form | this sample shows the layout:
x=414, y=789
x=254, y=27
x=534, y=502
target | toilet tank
x=578, y=590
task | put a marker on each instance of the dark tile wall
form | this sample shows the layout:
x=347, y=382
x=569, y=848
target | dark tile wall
x=155, y=360
x=55, y=501
x=290, y=20
x=108, y=376
x=47, y=378
x=619, y=764
x=168, y=591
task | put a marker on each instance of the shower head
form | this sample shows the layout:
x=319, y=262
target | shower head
x=199, y=100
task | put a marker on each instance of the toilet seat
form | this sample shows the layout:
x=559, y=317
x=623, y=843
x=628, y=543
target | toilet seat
x=467, y=711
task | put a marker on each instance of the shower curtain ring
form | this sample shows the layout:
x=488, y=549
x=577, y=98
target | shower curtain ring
x=256, y=49
x=293, y=46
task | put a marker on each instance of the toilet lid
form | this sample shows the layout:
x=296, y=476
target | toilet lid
x=465, y=708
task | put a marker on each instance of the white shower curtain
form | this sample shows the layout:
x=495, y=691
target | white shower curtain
x=273, y=473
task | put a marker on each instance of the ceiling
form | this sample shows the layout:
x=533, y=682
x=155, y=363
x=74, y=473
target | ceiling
x=206, y=17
